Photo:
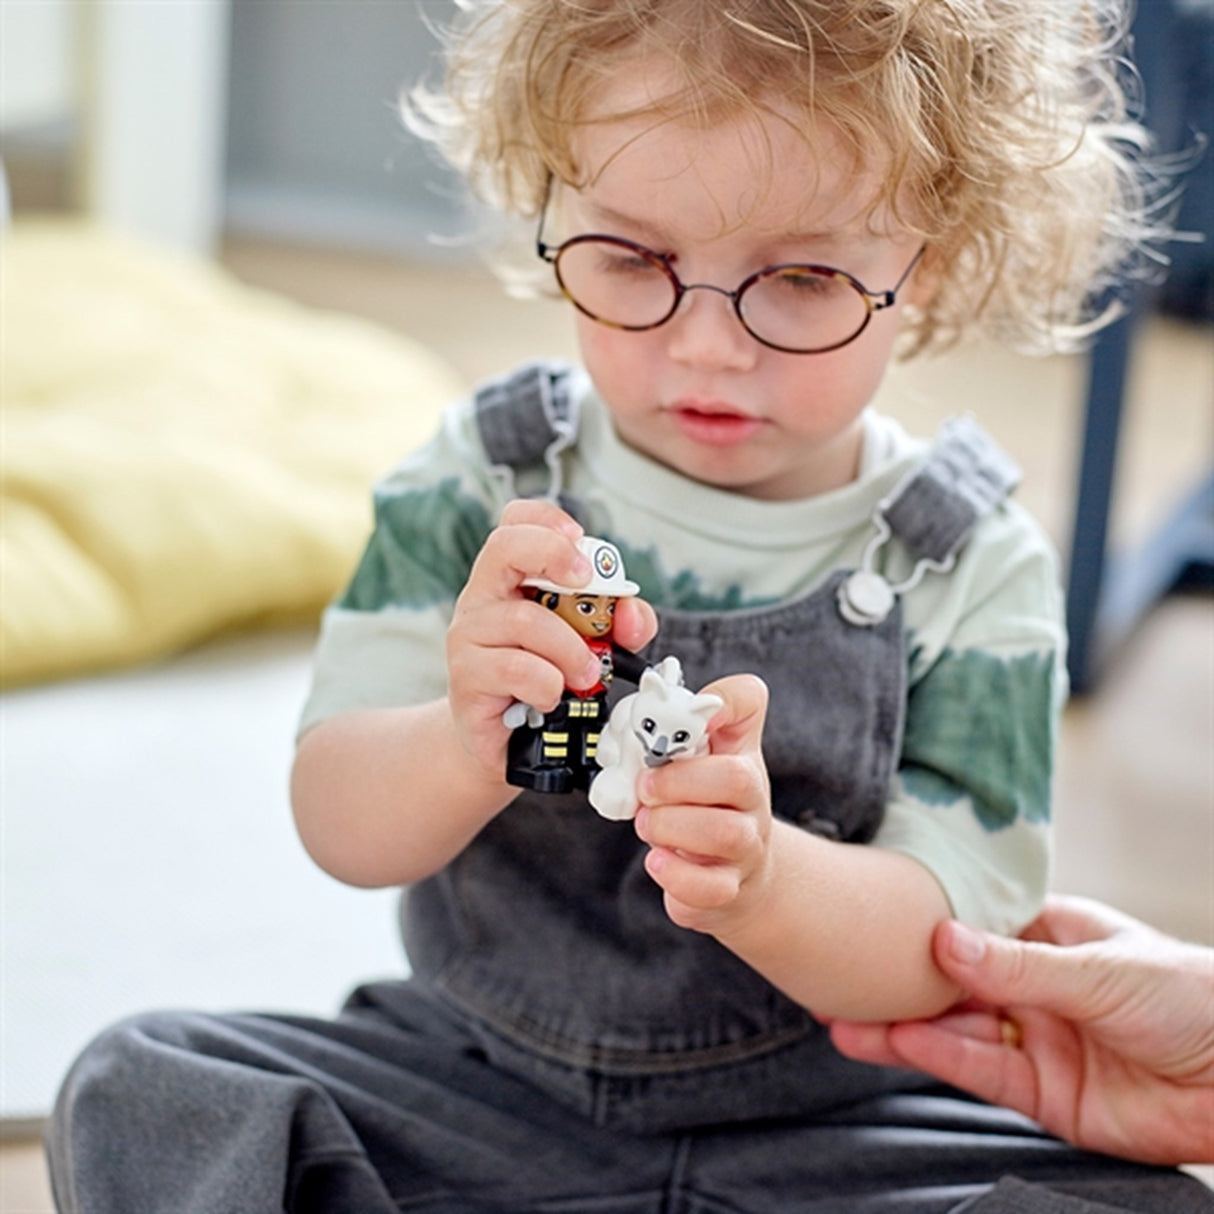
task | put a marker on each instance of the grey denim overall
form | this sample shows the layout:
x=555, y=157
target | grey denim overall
x=548, y=931
x=563, y=1049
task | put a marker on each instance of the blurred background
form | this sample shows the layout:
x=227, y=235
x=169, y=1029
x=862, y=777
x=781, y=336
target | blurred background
x=234, y=292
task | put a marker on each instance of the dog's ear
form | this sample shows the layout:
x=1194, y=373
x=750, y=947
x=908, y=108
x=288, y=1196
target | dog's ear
x=652, y=684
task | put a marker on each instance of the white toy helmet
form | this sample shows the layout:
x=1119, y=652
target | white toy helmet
x=608, y=577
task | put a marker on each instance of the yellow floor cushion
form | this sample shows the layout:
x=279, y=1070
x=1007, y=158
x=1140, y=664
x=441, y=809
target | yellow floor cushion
x=180, y=454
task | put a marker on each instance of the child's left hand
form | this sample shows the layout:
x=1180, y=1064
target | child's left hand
x=708, y=819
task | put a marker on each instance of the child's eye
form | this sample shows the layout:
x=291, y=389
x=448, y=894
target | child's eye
x=624, y=262
x=627, y=265
x=808, y=282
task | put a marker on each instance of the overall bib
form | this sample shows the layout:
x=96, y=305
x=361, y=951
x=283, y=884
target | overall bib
x=548, y=931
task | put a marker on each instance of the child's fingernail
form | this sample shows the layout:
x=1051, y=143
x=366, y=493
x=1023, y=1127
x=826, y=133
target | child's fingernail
x=592, y=672
x=645, y=786
x=582, y=567
x=966, y=945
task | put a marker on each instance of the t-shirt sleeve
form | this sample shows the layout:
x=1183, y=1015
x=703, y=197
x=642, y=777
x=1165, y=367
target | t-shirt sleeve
x=972, y=799
x=382, y=642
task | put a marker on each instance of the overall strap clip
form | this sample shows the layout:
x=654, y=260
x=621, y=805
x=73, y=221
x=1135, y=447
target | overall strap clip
x=933, y=511
x=526, y=419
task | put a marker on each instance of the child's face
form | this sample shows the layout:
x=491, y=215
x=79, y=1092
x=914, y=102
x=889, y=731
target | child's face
x=698, y=393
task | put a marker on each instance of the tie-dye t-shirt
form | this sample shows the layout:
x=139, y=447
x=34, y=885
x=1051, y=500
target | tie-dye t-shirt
x=985, y=642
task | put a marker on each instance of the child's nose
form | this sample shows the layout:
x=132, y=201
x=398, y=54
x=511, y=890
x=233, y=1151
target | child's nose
x=706, y=332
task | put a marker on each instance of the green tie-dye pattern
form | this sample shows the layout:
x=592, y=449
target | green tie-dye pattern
x=978, y=725
x=425, y=541
x=422, y=549
x=983, y=726
x=680, y=590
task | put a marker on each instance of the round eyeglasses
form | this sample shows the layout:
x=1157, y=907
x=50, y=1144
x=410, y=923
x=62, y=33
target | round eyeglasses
x=799, y=309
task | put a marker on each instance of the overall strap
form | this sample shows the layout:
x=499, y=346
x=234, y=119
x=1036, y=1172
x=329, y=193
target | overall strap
x=932, y=511
x=966, y=474
x=526, y=419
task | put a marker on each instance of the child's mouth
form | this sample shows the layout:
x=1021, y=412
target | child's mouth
x=716, y=427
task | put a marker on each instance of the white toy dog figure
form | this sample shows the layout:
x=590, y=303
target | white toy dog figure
x=659, y=722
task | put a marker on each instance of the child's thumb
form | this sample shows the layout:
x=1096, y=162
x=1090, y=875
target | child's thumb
x=738, y=726
x=636, y=623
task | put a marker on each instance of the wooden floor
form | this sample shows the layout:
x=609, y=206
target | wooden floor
x=1135, y=786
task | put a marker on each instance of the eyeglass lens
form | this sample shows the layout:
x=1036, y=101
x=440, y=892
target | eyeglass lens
x=799, y=308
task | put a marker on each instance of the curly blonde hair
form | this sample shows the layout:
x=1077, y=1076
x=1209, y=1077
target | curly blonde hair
x=1004, y=125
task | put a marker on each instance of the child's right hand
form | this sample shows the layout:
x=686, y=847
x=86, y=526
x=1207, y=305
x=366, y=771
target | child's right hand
x=503, y=647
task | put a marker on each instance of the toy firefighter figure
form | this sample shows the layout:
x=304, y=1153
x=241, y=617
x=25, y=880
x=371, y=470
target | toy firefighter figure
x=555, y=752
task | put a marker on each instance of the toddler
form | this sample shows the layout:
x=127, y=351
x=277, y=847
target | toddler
x=752, y=206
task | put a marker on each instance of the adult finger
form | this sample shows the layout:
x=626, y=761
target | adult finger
x=1070, y=982
x=864, y=1042
x=989, y=1069
x=1069, y=920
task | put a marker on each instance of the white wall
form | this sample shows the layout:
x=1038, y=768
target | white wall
x=38, y=79
x=141, y=88
x=316, y=148
x=274, y=119
x=155, y=84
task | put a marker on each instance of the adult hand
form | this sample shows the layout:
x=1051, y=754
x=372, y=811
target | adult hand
x=1096, y=1026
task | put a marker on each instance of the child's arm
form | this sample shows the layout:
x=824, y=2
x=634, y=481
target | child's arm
x=843, y=929
x=388, y=796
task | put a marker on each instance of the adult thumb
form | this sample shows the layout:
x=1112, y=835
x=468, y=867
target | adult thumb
x=1007, y=972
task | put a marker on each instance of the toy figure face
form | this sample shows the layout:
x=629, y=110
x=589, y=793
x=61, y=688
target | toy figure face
x=588, y=614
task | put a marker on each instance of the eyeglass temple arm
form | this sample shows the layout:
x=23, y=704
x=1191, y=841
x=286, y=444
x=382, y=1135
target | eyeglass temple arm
x=886, y=299
x=542, y=248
